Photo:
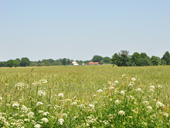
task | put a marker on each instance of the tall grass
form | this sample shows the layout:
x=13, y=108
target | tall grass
x=84, y=96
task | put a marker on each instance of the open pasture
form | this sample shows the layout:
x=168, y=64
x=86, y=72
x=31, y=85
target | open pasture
x=85, y=96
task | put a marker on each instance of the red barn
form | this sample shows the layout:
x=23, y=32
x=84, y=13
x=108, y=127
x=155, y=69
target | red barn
x=93, y=63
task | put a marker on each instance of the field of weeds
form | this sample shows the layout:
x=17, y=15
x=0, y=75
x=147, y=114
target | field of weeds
x=85, y=96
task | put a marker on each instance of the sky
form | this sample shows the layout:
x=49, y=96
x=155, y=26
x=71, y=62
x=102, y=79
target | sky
x=80, y=29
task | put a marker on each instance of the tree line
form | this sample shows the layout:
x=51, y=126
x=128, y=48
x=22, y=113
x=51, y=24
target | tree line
x=120, y=59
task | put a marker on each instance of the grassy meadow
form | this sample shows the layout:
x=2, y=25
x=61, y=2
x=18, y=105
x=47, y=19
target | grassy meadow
x=85, y=96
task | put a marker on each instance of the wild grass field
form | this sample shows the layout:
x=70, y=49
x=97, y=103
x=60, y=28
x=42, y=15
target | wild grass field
x=85, y=96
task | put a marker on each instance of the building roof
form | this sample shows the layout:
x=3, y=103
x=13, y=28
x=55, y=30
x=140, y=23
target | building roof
x=93, y=63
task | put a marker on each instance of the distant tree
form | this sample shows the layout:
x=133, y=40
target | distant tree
x=107, y=60
x=155, y=60
x=124, y=53
x=46, y=62
x=10, y=63
x=64, y=61
x=166, y=57
x=145, y=60
x=25, y=62
x=136, y=59
x=97, y=58
x=163, y=62
x=18, y=59
x=2, y=64
x=16, y=63
x=101, y=62
x=124, y=57
x=116, y=60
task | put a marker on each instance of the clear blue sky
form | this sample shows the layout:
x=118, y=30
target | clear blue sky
x=79, y=29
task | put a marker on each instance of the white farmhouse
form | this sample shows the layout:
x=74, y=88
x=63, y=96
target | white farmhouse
x=74, y=63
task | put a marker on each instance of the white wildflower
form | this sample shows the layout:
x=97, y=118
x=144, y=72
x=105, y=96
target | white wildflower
x=145, y=103
x=100, y=91
x=133, y=79
x=81, y=106
x=73, y=103
x=19, y=85
x=130, y=84
x=44, y=120
x=27, y=120
x=116, y=81
x=165, y=114
x=109, y=82
x=131, y=97
x=41, y=93
x=40, y=111
x=37, y=126
x=139, y=90
x=61, y=121
x=149, y=108
x=91, y=105
x=159, y=86
x=121, y=113
x=111, y=88
x=24, y=108
x=15, y=105
x=39, y=103
x=45, y=113
x=122, y=92
x=64, y=114
x=44, y=81
x=152, y=87
x=30, y=115
x=123, y=75
x=159, y=104
x=61, y=95
x=0, y=98
x=117, y=102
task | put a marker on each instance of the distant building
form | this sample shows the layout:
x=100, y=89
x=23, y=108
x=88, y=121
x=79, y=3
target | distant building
x=93, y=63
x=75, y=63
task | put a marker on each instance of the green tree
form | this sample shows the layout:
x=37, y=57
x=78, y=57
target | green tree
x=64, y=61
x=116, y=60
x=10, y=63
x=25, y=62
x=124, y=57
x=16, y=63
x=107, y=60
x=163, y=62
x=155, y=60
x=2, y=64
x=166, y=57
x=97, y=58
x=136, y=59
x=101, y=62
x=145, y=60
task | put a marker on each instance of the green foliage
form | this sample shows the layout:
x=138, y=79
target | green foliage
x=163, y=62
x=10, y=63
x=2, y=64
x=116, y=60
x=120, y=59
x=136, y=59
x=25, y=62
x=101, y=62
x=166, y=57
x=155, y=60
x=107, y=60
x=16, y=63
x=97, y=58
